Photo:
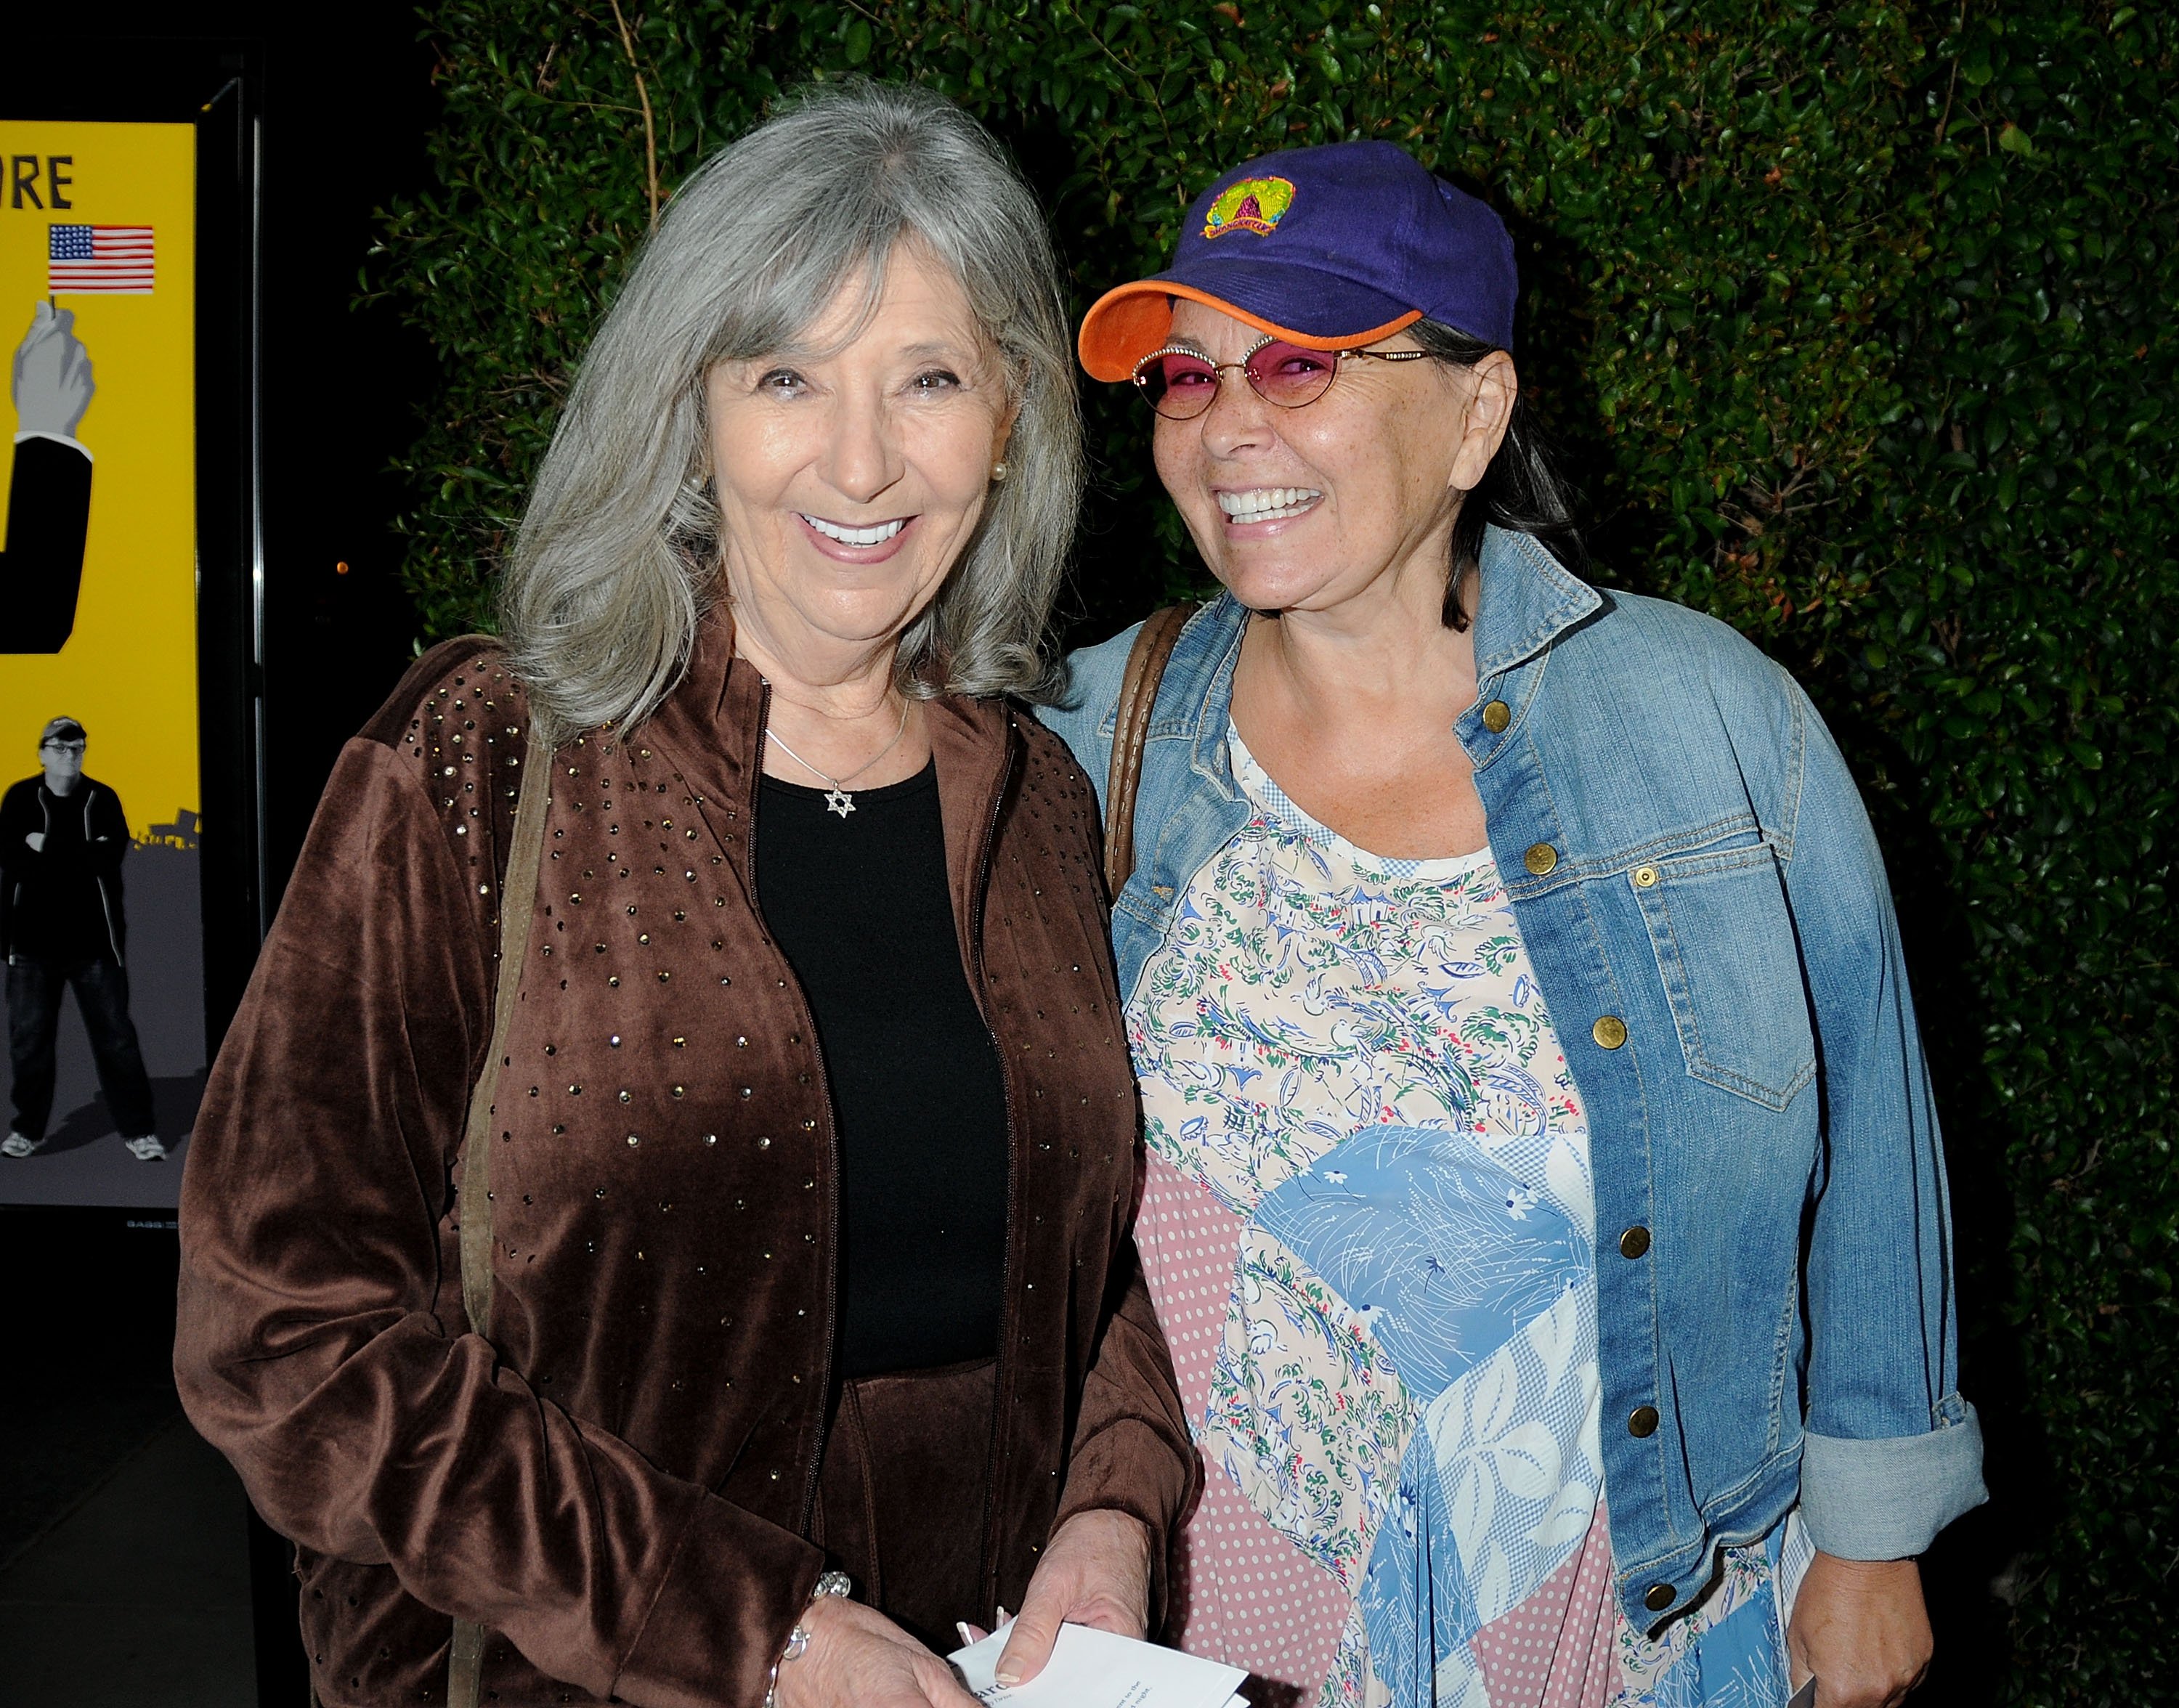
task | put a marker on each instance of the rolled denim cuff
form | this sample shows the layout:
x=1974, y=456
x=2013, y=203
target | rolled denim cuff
x=1887, y=1499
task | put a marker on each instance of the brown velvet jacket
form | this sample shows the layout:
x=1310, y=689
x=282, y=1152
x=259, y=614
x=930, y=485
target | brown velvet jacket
x=616, y=1478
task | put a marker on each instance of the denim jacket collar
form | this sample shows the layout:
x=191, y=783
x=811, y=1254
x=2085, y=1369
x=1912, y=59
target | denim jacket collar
x=1528, y=601
x=1528, y=598
x=1199, y=689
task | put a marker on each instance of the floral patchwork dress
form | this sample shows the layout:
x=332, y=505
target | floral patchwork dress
x=1369, y=1232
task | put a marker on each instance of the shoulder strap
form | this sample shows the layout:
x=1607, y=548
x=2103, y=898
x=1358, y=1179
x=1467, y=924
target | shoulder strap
x=518, y=906
x=1131, y=726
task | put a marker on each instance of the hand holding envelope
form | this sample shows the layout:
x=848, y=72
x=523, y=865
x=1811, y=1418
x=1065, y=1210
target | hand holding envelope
x=1091, y=1668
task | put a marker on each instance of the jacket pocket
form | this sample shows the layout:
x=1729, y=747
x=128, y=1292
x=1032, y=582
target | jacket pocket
x=1732, y=969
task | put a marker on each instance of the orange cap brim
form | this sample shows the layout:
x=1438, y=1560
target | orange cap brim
x=1129, y=321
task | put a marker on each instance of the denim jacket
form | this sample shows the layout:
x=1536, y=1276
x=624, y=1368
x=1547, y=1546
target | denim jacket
x=1707, y=913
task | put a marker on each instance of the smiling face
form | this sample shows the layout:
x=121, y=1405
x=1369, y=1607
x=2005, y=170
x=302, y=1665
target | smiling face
x=851, y=471
x=1308, y=508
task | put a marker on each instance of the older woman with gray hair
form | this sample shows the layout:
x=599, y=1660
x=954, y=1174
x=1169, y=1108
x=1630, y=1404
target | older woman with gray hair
x=706, y=1277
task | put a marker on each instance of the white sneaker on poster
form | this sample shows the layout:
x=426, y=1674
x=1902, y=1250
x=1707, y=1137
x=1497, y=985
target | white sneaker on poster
x=147, y=1149
x=15, y=1145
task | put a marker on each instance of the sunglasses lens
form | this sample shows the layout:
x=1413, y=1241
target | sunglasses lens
x=1177, y=385
x=1290, y=376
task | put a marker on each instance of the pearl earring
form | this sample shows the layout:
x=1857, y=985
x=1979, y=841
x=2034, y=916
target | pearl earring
x=999, y=470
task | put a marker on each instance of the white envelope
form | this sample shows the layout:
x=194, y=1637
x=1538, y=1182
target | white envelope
x=1090, y=1668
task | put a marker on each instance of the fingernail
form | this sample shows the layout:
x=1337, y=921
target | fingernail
x=962, y=1626
x=1009, y=1679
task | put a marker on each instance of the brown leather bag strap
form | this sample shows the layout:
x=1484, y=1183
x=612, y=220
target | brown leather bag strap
x=1131, y=728
x=518, y=906
x=466, y=1666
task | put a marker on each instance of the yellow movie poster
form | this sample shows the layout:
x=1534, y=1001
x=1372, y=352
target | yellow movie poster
x=98, y=662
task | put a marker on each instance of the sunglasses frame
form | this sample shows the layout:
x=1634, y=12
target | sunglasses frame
x=1218, y=370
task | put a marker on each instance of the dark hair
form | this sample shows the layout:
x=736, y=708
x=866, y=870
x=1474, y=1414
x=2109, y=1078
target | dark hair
x=1521, y=489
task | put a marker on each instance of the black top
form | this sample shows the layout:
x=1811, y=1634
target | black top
x=861, y=907
x=61, y=901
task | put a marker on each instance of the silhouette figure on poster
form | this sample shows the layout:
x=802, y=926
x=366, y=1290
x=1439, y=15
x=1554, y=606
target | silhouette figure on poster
x=49, y=487
x=63, y=835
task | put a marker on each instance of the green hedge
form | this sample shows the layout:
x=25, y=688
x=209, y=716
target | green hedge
x=1854, y=323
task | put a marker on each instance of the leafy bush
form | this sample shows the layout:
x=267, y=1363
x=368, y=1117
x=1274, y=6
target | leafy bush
x=1854, y=323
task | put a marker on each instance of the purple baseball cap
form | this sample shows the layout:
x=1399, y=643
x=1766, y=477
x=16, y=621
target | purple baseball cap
x=1326, y=248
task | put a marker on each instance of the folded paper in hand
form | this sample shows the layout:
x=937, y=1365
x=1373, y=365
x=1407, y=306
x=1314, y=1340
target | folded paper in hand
x=1091, y=1668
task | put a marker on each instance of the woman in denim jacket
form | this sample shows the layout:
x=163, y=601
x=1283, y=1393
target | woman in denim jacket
x=1547, y=1210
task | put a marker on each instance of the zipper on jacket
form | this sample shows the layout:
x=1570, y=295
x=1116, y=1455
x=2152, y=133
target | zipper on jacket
x=45, y=829
x=1002, y=1375
x=105, y=901
x=823, y=1394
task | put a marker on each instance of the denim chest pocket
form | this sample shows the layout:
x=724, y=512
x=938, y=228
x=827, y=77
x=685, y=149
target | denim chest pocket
x=1732, y=969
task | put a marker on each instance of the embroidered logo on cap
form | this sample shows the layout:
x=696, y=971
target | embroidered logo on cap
x=1253, y=205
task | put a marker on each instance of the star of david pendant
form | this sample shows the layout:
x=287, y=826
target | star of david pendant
x=839, y=800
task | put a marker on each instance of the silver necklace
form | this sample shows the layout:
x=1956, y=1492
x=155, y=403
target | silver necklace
x=838, y=800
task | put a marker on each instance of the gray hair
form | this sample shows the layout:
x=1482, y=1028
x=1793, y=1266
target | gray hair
x=618, y=556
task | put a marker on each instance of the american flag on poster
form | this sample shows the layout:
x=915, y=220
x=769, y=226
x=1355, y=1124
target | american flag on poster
x=114, y=258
